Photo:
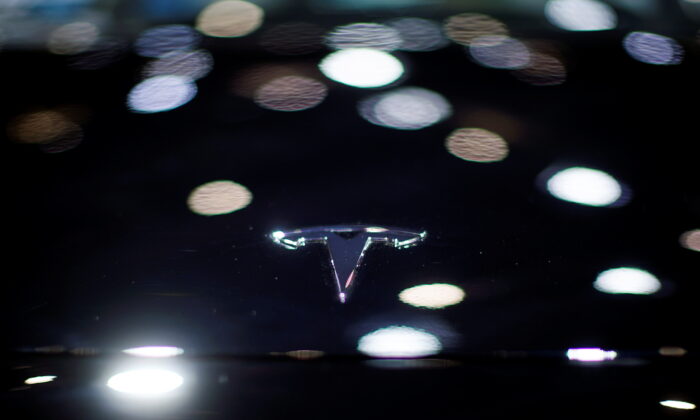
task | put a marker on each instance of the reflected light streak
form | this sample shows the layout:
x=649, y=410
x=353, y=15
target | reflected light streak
x=580, y=15
x=627, y=280
x=680, y=405
x=364, y=35
x=465, y=27
x=653, y=49
x=691, y=240
x=161, y=40
x=407, y=108
x=477, y=145
x=161, y=93
x=145, y=382
x=39, y=379
x=585, y=186
x=190, y=64
x=154, y=351
x=291, y=93
x=419, y=34
x=362, y=67
x=499, y=52
x=432, y=296
x=73, y=38
x=399, y=342
x=219, y=197
x=590, y=355
x=230, y=18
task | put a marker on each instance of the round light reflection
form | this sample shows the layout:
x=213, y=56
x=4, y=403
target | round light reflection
x=145, y=382
x=290, y=93
x=580, y=15
x=219, y=197
x=653, y=49
x=407, y=108
x=399, y=342
x=230, y=18
x=477, y=145
x=585, y=186
x=161, y=93
x=362, y=67
x=627, y=280
x=432, y=296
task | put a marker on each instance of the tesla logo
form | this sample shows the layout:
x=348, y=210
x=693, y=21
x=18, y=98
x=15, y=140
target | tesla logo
x=347, y=246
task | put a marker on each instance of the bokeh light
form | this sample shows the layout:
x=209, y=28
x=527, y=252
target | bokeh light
x=672, y=351
x=691, y=240
x=291, y=93
x=499, y=52
x=161, y=93
x=362, y=67
x=477, y=145
x=399, y=342
x=406, y=108
x=39, y=379
x=154, y=351
x=73, y=38
x=432, y=296
x=40, y=127
x=590, y=354
x=230, y=18
x=364, y=35
x=580, y=15
x=161, y=40
x=419, y=34
x=219, y=197
x=679, y=405
x=542, y=70
x=627, y=280
x=293, y=38
x=466, y=27
x=585, y=186
x=146, y=382
x=190, y=64
x=653, y=48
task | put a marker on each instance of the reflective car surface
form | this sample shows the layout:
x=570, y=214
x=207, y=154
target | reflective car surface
x=267, y=209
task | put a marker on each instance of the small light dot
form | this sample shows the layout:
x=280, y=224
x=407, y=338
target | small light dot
x=364, y=35
x=400, y=342
x=653, y=49
x=477, y=145
x=219, y=197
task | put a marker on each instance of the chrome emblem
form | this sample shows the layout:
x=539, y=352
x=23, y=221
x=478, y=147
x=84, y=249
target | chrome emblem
x=347, y=246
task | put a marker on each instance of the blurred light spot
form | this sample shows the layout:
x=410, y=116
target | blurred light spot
x=305, y=354
x=73, y=38
x=247, y=81
x=294, y=38
x=154, y=351
x=190, y=64
x=278, y=234
x=145, y=382
x=627, y=280
x=691, y=240
x=290, y=93
x=419, y=34
x=580, y=15
x=100, y=55
x=219, y=197
x=681, y=405
x=672, y=351
x=542, y=70
x=362, y=67
x=161, y=93
x=42, y=127
x=364, y=35
x=652, y=48
x=477, y=145
x=230, y=18
x=499, y=52
x=590, y=355
x=400, y=342
x=466, y=27
x=407, y=108
x=432, y=296
x=158, y=41
x=39, y=379
x=585, y=186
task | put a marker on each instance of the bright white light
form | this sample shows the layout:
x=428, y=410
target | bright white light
x=39, y=379
x=278, y=234
x=154, y=351
x=399, y=341
x=362, y=67
x=433, y=296
x=626, y=280
x=364, y=35
x=145, y=382
x=499, y=52
x=681, y=405
x=585, y=186
x=590, y=355
x=406, y=108
x=580, y=15
x=653, y=49
x=161, y=93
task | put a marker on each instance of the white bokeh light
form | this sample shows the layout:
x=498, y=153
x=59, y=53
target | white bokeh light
x=499, y=52
x=39, y=379
x=590, y=354
x=399, y=342
x=653, y=49
x=362, y=67
x=585, y=186
x=432, y=296
x=161, y=93
x=580, y=15
x=364, y=35
x=627, y=280
x=680, y=405
x=145, y=383
x=154, y=351
x=407, y=108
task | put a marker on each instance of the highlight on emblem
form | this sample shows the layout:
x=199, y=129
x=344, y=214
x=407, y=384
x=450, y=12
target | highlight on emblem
x=347, y=245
